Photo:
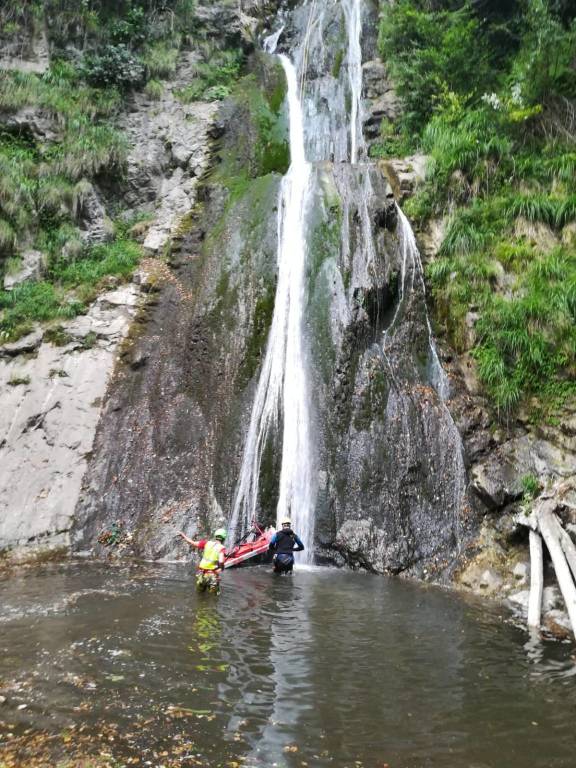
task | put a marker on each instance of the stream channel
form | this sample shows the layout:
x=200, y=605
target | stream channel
x=326, y=668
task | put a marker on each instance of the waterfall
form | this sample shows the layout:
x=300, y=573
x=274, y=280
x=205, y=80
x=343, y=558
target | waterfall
x=283, y=387
x=411, y=254
x=325, y=123
x=353, y=16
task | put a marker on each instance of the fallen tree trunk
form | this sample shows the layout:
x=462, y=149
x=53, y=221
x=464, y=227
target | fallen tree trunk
x=569, y=549
x=536, y=580
x=550, y=529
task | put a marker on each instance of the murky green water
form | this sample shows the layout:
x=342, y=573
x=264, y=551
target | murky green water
x=325, y=669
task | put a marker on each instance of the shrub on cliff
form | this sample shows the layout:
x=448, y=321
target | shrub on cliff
x=113, y=66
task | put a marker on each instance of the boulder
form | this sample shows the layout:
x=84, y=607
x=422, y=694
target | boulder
x=497, y=479
x=33, y=121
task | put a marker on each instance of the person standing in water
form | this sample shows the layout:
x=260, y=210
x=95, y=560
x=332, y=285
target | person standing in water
x=212, y=563
x=285, y=542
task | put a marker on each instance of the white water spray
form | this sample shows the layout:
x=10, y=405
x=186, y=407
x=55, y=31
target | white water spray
x=283, y=387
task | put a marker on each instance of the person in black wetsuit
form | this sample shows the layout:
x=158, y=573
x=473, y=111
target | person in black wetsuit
x=285, y=542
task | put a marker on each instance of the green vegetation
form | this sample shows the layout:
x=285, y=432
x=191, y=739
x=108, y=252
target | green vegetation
x=260, y=145
x=43, y=185
x=502, y=145
x=214, y=75
x=69, y=286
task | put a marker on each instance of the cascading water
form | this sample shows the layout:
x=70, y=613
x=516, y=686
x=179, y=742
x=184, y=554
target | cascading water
x=325, y=111
x=353, y=15
x=283, y=385
x=283, y=388
x=411, y=254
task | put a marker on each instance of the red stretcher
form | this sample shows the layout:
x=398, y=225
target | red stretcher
x=252, y=544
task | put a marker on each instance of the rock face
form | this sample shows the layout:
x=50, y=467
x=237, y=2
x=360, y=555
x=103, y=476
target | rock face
x=404, y=174
x=170, y=152
x=29, y=53
x=49, y=408
x=170, y=437
x=414, y=474
x=392, y=493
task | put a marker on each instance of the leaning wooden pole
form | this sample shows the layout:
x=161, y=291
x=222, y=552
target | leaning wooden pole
x=536, y=580
x=569, y=549
x=548, y=525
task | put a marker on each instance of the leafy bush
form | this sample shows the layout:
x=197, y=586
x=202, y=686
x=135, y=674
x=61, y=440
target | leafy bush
x=430, y=53
x=114, y=66
x=545, y=66
x=129, y=30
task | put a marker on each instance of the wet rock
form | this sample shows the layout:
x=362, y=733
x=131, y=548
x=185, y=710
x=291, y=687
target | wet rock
x=552, y=599
x=521, y=599
x=138, y=360
x=558, y=623
x=481, y=579
x=30, y=269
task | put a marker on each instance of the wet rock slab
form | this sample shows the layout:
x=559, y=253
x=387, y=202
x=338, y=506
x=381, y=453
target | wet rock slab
x=50, y=404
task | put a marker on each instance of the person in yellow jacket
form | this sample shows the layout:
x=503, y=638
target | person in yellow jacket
x=212, y=563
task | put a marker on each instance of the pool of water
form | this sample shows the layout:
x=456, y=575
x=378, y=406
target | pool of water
x=327, y=668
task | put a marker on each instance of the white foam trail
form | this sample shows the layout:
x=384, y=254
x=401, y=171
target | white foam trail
x=283, y=386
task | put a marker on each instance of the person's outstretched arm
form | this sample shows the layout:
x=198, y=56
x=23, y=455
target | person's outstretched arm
x=189, y=541
x=298, y=544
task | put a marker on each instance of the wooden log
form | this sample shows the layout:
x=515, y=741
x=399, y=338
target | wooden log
x=548, y=524
x=568, y=548
x=536, y=580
